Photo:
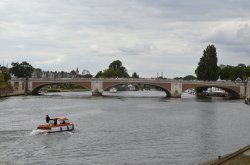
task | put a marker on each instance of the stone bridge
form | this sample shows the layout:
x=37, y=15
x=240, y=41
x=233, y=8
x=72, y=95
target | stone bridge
x=173, y=88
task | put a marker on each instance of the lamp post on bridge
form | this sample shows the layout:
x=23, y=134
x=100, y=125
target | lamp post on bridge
x=25, y=66
x=27, y=71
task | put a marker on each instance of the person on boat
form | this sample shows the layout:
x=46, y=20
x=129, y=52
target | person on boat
x=47, y=118
x=55, y=121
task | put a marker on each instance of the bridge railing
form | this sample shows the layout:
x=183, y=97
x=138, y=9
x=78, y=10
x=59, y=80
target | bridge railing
x=136, y=80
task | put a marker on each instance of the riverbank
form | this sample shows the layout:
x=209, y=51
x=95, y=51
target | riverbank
x=242, y=156
x=5, y=92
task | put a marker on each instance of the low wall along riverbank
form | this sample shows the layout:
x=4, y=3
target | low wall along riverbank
x=10, y=92
x=5, y=91
x=13, y=89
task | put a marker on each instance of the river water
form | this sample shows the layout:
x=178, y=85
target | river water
x=127, y=128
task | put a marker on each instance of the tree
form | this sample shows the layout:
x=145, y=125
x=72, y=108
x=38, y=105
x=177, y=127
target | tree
x=241, y=71
x=4, y=78
x=114, y=70
x=248, y=70
x=99, y=74
x=225, y=72
x=207, y=67
x=135, y=75
x=87, y=76
x=5, y=71
x=22, y=70
x=178, y=78
x=115, y=65
x=7, y=76
x=189, y=77
x=228, y=72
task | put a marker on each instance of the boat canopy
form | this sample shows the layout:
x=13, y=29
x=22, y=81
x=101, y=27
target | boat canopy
x=61, y=118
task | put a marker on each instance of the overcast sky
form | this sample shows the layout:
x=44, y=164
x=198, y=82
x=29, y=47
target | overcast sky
x=148, y=36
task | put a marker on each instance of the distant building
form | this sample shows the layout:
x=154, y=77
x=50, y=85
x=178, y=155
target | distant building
x=39, y=74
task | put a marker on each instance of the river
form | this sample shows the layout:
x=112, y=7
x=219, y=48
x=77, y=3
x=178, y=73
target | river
x=127, y=128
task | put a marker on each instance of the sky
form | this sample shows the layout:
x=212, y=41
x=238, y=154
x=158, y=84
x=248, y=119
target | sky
x=148, y=36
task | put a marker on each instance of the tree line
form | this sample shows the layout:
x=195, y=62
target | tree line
x=209, y=70
x=25, y=70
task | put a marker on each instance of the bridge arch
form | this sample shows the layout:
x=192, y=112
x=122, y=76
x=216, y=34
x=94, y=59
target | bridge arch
x=234, y=92
x=109, y=85
x=38, y=86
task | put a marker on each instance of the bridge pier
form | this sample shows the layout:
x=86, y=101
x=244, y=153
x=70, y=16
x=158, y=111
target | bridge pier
x=247, y=99
x=96, y=93
x=175, y=95
x=97, y=88
x=176, y=90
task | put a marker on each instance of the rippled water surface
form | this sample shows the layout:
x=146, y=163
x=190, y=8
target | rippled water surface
x=122, y=129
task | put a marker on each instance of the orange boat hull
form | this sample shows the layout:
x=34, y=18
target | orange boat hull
x=56, y=127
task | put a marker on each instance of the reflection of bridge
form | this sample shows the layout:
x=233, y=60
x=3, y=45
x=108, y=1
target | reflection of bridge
x=172, y=88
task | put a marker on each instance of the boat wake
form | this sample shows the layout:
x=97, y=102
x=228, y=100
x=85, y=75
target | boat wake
x=36, y=132
x=39, y=131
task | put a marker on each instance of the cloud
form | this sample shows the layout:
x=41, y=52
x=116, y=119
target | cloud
x=94, y=48
x=147, y=36
x=233, y=36
x=57, y=60
x=196, y=10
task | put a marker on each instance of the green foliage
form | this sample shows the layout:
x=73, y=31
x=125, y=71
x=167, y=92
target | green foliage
x=6, y=76
x=207, y=67
x=135, y=75
x=178, y=78
x=2, y=80
x=228, y=72
x=99, y=74
x=37, y=70
x=22, y=70
x=88, y=76
x=115, y=65
x=248, y=70
x=115, y=70
x=62, y=87
x=189, y=77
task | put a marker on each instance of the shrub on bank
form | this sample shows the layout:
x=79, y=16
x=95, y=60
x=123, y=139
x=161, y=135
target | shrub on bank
x=5, y=86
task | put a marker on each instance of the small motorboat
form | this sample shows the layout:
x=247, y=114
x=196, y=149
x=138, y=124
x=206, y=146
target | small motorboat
x=57, y=125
